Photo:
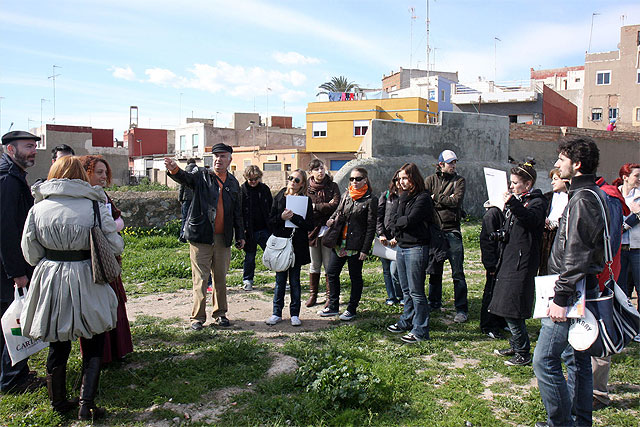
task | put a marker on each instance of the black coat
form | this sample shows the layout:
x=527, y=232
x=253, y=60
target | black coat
x=15, y=202
x=387, y=205
x=448, y=194
x=186, y=193
x=513, y=294
x=489, y=249
x=413, y=216
x=300, y=236
x=263, y=209
x=325, y=202
x=361, y=216
x=202, y=213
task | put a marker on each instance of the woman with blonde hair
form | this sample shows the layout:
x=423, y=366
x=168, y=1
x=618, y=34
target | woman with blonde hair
x=63, y=302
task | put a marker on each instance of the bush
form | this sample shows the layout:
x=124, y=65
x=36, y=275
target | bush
x=171, y=228
x=144, y=185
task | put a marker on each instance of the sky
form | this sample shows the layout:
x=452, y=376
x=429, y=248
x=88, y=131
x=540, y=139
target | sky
x=211, y=58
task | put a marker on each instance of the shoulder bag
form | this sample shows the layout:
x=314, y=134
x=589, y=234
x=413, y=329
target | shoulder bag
x=104, y=265
x=612, y=314
x=278, y=253
x=333, y=236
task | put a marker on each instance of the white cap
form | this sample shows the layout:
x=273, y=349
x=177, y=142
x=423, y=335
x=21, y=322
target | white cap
x=447, y=156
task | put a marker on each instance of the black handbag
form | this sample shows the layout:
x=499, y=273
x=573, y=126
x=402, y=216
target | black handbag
x=333, y=236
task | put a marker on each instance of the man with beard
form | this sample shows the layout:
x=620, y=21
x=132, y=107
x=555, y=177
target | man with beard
x=15, y=202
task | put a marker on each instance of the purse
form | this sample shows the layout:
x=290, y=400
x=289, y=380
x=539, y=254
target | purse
x=613, y=315
x=278, y=253
x=333, y=235
x=104, y=265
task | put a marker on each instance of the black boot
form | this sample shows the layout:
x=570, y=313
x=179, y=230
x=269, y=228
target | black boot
x=90, y=379
x=57, y=388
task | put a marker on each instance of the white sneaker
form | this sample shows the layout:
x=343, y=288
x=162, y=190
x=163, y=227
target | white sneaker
x=247, y=285
x=637, y=338
x=295, y=321
x=273, y=320
x=347, y=316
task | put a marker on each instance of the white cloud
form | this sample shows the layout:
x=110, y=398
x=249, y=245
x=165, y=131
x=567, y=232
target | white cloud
x=293, y=96
x=162, y=77
x=123, y=73
x=294, y=58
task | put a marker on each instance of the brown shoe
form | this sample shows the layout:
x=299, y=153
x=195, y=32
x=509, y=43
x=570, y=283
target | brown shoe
x=314, y=280
x=31, y=383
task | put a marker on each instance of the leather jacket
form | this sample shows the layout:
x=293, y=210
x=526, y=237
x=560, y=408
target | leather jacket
x=578, y=250
x=199, y=227
x=361, y=216
x=448, y=193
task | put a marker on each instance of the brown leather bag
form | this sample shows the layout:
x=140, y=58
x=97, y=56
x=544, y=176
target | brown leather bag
x=104, y=265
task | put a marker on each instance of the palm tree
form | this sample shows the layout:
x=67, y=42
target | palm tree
x=338, y=84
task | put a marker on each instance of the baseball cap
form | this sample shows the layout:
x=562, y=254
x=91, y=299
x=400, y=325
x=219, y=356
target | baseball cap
x=447, y=156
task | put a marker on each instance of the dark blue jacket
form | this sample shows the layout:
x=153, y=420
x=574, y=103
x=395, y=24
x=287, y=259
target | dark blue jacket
x=15, y=202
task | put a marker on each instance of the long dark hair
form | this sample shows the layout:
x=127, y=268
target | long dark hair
x=393, y=184
x=414, y=175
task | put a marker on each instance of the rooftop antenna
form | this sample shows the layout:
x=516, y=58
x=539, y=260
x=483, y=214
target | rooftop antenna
x=428, y=67
x=591, y=32
x=53, y=79
x=412, y=11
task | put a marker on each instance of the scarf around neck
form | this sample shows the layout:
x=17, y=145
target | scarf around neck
x=357, y=194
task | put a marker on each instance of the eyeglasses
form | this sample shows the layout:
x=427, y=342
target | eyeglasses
x=253, y=179
x=356, y=178
x=294, y=179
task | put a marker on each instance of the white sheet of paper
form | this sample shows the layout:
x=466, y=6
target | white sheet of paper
x=298, y=204
x=545, y=293
x=496, y=181
x=383, y=251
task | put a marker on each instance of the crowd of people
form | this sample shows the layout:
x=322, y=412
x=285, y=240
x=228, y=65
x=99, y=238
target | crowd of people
x=45, y=249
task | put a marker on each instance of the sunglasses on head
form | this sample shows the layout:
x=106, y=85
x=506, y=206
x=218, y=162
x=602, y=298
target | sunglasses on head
x=294, y=179
x=356, y=178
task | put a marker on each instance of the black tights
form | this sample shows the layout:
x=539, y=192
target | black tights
x=59, y=350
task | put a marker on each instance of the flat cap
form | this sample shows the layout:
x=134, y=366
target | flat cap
x=17, y=135
x=221, y=148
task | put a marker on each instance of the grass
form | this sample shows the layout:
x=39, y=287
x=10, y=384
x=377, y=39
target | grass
x=349, y=374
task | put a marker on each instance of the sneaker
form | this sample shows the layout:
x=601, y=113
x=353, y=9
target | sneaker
x=507, y=352
x=222, y=322
x=390, y=301
x=347, y=316
x=410, y=338
x=637, y=338
x=273, y=320
x=196, y=326
x=247, y=285
x=519, y=360
x=327, y=312
x=542, y=424
x=494, y=335
x=295, y=321
x=460, y=317
x=395, y=329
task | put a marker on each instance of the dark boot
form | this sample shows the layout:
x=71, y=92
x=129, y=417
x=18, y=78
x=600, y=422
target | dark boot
x=326, y=303
x=57, y=388
x=314, y=280
x=90, y=379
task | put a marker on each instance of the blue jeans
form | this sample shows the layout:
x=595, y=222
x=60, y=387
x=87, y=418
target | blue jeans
x=260, y=237
x=563, y=397
x=519, y=340
x=455, y=255
x=412, y=265
x=281, y=283
x=355, y=274
x=630, y=267
x=10, y=376
x=184, y=210
x=391, y=281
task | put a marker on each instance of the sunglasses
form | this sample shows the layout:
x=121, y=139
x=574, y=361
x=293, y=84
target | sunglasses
x=294, y=179
x=356, y=178
x=253, y=179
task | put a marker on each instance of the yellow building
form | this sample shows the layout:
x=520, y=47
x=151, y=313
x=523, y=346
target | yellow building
x=339, y=126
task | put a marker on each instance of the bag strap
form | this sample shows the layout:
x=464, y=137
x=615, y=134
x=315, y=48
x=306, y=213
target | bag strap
x=96, y=215
x=608, y=253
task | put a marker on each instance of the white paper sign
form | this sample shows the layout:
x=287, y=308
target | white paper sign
x=545, y=292
x=297, y=204
x=383, y=251
x=496, y=181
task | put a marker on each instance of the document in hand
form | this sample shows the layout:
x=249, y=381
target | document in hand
x=298, y=204
x=496, y=181
x=383, y=251
x=545, y=292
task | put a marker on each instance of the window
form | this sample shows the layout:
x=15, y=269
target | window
x=394, y=87
x=613, y=113
x=183, y=142
x=638, y=114
x=335, y=165
x=603, y=77
x=194, y=140
x=360, y=127
x=319, y=130
x=596, y=114
x=432, y=95
x=246, y=163
x=442, y=95
x=287, y=167
x=577, y=79
x=40, y=145
x=275, y=166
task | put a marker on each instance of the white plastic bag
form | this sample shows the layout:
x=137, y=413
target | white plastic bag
x=19, y=347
